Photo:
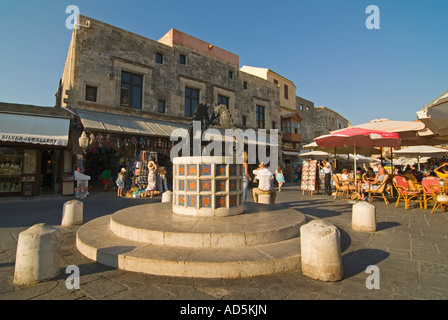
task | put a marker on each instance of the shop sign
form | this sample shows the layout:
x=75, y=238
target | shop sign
x=28, y=139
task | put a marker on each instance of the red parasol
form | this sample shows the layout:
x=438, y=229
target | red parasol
x=359, y=137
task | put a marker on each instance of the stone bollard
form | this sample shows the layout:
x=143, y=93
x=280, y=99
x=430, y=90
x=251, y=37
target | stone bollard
x=264, y=198
x=363, y=217
x=321, y=251
x=38, y=255
x=72, y=213
x=167, y=196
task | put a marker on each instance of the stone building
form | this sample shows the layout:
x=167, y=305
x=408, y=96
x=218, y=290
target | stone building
x=136, y=91
x=327, y=120
x=290, y=125
x=305, y=108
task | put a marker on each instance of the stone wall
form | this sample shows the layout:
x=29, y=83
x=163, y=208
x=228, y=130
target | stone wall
x=101, y=52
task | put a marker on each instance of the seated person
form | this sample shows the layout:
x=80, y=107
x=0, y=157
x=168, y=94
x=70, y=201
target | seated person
x=442, y=171
x=380, y=176
x=367, y=180
x=344, y=176
x=265, y=183
x=429, y=172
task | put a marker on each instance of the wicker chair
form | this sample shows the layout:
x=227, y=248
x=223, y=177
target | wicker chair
x=342, y=187
x=404, y=192
x=429, y=193
x=379, y=192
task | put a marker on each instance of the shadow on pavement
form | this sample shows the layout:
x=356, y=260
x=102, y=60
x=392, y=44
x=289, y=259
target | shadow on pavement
x=357, y=261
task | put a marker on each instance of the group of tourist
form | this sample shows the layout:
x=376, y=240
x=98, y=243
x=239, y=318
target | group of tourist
x=157, y=179
x=369, y=179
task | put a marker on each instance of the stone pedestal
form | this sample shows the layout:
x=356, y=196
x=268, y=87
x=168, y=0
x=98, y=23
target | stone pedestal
x=265, y=198
x=363, y=217
x=207, y=186
x=167, y=196
x=72, y=213
x=38, y=255
x=321, y=251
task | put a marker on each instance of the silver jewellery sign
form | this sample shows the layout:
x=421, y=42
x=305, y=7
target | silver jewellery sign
x=28, y=139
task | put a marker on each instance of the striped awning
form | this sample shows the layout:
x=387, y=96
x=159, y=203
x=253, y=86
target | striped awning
x=114, y=123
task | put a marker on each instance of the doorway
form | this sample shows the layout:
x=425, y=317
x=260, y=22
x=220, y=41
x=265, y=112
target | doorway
x=50, y=171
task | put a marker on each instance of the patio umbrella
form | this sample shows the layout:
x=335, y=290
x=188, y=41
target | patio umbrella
x=359, y=137
x=435, y=115
x=342, y=149
x=316, y=154
x=427, y=151
x=410, y=132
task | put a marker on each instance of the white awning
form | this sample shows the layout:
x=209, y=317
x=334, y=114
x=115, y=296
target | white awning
x=291, y=153
x=114, y=123
x=34, y=129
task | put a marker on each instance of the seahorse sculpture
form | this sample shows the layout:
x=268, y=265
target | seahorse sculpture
x=222, y=113
x=210, y=116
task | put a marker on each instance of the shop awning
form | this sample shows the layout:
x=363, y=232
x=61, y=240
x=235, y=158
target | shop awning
x=291, y=153
x=113, y=123
x=34, y=129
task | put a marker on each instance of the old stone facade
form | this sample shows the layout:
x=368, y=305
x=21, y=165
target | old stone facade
x=327, y=120
x=103, y=61
x=305, y=108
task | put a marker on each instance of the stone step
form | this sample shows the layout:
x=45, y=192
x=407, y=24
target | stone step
x=97, y=242
x=157, y=225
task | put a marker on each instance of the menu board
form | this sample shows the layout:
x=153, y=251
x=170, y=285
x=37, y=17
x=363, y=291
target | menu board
x=309, y=168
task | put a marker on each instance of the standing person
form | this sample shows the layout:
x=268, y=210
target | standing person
x=106, y=179
x=299, y=173
x=246, y=177
x=162, y=180
x=151, y=186
x=280, y=178
x=327, y=171
x=265, y=184
x=120, y=182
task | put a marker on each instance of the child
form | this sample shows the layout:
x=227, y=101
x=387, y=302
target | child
x=120, y=182
x=280, y=178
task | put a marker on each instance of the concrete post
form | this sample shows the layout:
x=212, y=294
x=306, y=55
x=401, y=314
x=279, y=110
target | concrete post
x=167, y=196
x=321, y=251
x=264, y=198
x=363, y=217
x=72, y=213
x=38, y=255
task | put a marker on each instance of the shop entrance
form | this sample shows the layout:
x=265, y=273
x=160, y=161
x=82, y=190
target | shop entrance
x=50, y=173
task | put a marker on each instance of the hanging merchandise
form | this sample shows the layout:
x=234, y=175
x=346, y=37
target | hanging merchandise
x=100, y=140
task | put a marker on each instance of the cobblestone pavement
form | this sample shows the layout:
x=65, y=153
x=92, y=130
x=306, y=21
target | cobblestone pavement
x=410, y=249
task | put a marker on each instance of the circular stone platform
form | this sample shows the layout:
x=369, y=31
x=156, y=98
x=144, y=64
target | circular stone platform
x=151, y=239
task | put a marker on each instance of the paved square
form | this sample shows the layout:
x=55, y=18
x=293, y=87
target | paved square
x=409, y=248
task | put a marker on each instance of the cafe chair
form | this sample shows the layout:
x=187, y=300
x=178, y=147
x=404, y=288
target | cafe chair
x=342, y=187
x=441, y=199
x=380, y=192
x=429, y=193
x=405, y=193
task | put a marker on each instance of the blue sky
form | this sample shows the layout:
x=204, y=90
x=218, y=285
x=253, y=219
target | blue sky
x=323, y=46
